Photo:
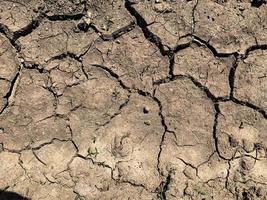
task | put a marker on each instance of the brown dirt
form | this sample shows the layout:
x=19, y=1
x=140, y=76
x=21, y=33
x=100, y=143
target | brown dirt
x=133, y=99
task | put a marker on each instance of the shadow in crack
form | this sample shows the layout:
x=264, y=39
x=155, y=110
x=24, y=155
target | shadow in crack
x=5, y=195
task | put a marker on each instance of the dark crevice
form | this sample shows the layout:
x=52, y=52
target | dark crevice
x=163, y=188
x=129, y=182
x=36, y=156
x=171, y=64
x=166, y=130
x=35, y=66
x=160, y=151
x=210, y=95
x=122, y=84
x=254, y=48
x=73, y=56
x=84, y=72
x=28, y=147
x=228, y=175
x=189, y=164
x=216, y=140
x=141, y=22
x=250, y=105
x=123, y=105
x=100, y=164
x=47, y=143
x=257, y=3
x=29, y=28
x=197, y=40
x=4, y=79
x=168, y=79
x=8, y=195
x=9, y=35
x=181, y=47
x=163, y=123
x=203, y=88
x=10, y=91
x=245, y=195
x=85, y=3
x=231, y=77
x=232, y=87
x=78, y=196
x=113, y=74
x=8, y=94
x=171, y=77
x=65, y=55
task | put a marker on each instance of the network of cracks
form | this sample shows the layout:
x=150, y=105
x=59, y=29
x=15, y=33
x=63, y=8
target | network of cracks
x=133, y=99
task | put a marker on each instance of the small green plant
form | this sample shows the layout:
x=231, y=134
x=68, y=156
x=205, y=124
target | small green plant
x=161, y=196
x=93, y=152
x=160, y=192
x=79, y=197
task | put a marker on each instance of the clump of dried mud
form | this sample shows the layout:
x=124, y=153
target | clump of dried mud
x=133, y=99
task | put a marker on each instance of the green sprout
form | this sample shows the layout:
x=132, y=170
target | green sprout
x=79, y=197
x=93, y=152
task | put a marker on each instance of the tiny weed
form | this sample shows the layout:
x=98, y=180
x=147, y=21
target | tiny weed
x=79, y=197
x=161, y=195
x=93, y=152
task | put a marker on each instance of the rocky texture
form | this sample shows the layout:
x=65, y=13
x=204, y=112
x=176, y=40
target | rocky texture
x=133, y=99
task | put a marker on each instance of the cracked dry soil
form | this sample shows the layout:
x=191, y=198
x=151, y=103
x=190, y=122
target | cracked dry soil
x=133, y=99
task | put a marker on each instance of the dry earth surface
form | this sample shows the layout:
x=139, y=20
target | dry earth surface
x=133, y=99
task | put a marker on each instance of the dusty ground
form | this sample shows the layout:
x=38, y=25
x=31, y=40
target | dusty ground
x=134, y=99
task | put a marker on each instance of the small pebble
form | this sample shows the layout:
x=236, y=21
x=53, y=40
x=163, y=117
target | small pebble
x=147, y=123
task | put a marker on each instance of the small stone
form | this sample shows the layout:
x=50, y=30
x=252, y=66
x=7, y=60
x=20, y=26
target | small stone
x=147, y=123
x=118, y=41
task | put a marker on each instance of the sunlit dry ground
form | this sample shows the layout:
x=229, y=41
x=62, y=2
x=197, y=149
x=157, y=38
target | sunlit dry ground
x=134, y=99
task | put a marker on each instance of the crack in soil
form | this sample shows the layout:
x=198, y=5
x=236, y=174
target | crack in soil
x=165, y=183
